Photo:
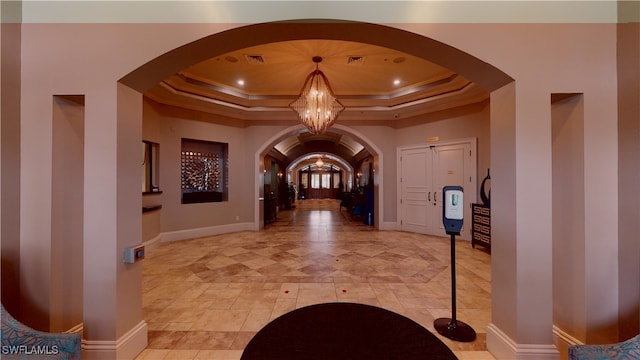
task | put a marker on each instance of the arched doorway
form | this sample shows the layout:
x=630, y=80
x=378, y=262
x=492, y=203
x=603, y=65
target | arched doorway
x=374, y=150
x=485, y=75
x=320, y=179
x=482, y=73
x=338, y=173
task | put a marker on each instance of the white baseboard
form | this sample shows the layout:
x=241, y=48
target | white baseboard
x=562, y=339
x=151, y=243
x=502, y=347
x=205, y=231
x=127, y=346
x=389, y=225
x=78, y=329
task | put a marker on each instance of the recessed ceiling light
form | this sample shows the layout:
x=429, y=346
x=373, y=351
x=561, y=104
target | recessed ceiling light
x=231, y=59
x=396, y=82
x=240, y=82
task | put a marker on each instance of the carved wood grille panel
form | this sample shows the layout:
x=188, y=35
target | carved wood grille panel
x=204, y=171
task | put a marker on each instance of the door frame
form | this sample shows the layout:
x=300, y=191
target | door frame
x=470, y=192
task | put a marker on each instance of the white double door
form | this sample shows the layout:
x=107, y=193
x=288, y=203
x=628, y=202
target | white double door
x=424, y=171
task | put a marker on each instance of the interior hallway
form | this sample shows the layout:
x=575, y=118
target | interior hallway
x=205, y=298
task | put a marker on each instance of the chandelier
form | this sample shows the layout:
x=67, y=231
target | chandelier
x=316, y=106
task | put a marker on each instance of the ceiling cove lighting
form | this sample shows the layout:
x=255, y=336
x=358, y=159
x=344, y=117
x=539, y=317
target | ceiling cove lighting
x=316, y=106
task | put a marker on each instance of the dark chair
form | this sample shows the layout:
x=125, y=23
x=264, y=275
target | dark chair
x=357, y=210
x=346, y=200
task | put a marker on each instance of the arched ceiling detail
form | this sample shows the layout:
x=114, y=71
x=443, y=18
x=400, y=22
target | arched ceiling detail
x=360, y=60
x=328, y=158
x=323, y=146
x=172, y=62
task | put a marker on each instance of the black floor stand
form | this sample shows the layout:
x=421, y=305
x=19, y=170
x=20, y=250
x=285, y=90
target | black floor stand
x=451, y=328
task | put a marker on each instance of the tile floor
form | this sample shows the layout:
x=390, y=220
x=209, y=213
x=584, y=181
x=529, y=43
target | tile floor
x=205, y=298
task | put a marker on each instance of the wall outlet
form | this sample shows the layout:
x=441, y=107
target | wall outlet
x=133, y=254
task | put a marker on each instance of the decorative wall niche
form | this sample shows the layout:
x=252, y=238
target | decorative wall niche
x=204, y=171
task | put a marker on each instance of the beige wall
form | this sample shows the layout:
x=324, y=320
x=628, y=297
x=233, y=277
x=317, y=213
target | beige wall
x=151, y=226
x=128, y=308
x=10, y=38
x=542, y=58
x=469, y=122
x=168, y=132
x=569, y=307
x=504, y=256
x=629, y=172
x=65, y=307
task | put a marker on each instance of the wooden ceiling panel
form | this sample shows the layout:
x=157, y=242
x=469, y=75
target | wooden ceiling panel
x=377, y=85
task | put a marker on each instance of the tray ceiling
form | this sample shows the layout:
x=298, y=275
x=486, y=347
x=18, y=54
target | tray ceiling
x=376, y=85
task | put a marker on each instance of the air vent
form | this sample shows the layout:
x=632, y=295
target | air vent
x=355, y=60
x=254, y=59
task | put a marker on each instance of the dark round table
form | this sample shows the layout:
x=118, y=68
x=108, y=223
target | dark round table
x=336, y=331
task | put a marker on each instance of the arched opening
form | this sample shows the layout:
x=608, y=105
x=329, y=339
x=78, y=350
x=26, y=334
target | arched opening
x=483, y=74
x=376, y=153
x=311, y=158
x=147, y=75
x=337, y=174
